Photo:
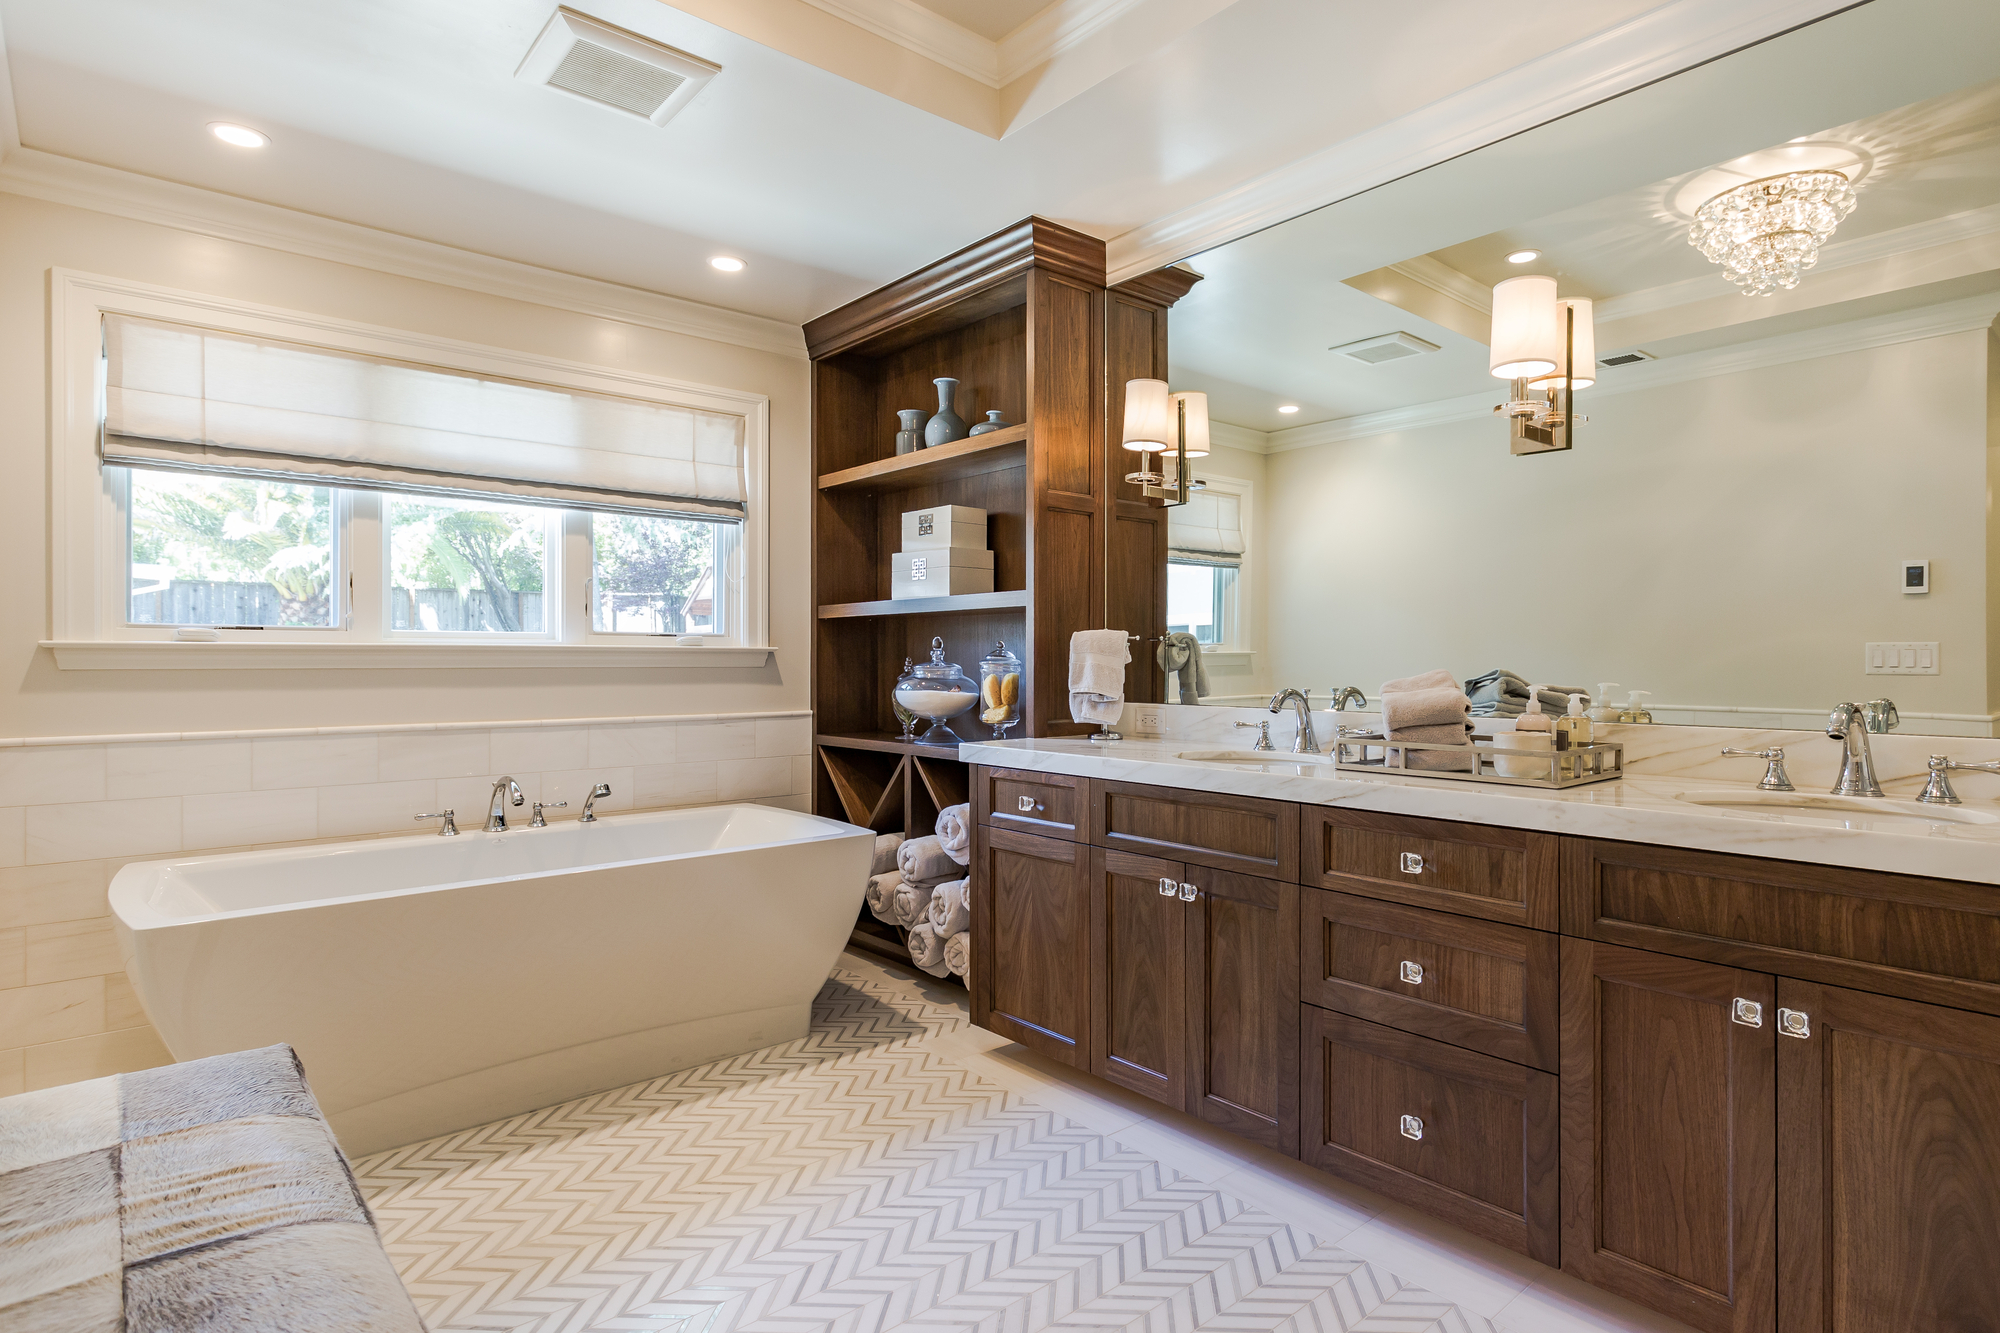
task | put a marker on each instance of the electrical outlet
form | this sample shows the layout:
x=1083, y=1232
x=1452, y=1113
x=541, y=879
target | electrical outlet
x=1901, y=659
x=1147, y=720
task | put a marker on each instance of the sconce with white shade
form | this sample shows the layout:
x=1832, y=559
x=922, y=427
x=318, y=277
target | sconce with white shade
x=1158, y=421
x=1547, y=347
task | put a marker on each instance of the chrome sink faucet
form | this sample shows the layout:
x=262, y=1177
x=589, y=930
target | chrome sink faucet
x=496, y=813
x=1848, y=724
x=1304, y=742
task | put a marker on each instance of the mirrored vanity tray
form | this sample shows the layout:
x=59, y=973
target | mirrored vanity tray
x=1553, y=769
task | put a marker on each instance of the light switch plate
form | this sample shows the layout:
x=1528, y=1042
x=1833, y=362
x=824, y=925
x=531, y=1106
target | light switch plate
x=1900, y=659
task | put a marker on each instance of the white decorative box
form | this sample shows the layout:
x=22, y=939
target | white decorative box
x=954, y=527
x=940, y=573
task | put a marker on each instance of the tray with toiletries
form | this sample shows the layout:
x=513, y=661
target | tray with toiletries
x=1492, y=761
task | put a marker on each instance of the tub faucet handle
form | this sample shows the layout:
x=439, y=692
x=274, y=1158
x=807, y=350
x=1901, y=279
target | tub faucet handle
x=448, y=829
x=538, y=821
x=589, y=815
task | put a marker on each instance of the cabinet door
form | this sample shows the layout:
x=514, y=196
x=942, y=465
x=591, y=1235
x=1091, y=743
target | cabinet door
x=1669, y=1115
x=1139, y=981
x=1031, y=941
x=1243, y=1005
x=1889, y=1163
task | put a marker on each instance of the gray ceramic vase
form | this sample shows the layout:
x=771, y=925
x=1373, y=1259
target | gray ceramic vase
x=947, y=425
x=992, y=422
x=911, y=437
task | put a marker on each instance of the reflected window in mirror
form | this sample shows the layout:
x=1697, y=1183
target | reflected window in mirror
x=1205, y=556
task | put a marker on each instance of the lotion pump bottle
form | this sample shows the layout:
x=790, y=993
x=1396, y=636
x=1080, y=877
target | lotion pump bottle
x=1531, y=732
x=1576, y=728
x=1601, y=707
x=1635, y=707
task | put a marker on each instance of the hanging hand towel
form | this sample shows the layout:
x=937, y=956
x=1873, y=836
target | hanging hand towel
x=882, y=895
x=1180, y=655
x=949, y=911
x=954, y=832
x=927, y=950
x=1097, y=659
x=958, y=953
x=885, y=853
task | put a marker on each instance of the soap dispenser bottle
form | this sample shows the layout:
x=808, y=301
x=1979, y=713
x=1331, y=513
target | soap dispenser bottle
x=1601, y=707
x=1635, y=707
x=1531, y=732
x=1573, y=730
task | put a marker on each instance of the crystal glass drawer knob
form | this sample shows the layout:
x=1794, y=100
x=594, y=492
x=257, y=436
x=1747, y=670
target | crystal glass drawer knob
x=1027, y=803
x=1413, y=972
x=1170, y=888
x=1795, y=1022
x=1747, y=1012
x=1412, y=1127
x=1413, y=864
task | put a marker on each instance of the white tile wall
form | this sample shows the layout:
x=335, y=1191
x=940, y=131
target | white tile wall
x=72, y=814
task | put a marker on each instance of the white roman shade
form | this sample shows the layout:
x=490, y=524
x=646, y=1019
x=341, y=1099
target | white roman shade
x=1207, y=530
x=188, y=399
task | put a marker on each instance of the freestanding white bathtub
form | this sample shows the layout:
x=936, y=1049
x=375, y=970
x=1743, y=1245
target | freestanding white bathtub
x=431, y=983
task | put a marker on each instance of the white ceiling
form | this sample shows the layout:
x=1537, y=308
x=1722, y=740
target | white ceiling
x=403, y=115
x=1909, y=85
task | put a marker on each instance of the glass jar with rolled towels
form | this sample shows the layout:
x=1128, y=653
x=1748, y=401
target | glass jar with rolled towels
x=937, y=691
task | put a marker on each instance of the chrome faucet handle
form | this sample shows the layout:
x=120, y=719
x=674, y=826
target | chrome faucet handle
x=1775, y=776
x=1937, y=790
x=1263, y=735
x=448, y=829
x=538, y=821
x=589, y=815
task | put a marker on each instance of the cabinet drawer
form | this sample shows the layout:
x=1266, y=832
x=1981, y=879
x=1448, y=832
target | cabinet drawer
x=1237, y=833
x=1499, y=874
x=1477, y=984
x=1048, y=804
x=1923, y=939
x=1459, y=1135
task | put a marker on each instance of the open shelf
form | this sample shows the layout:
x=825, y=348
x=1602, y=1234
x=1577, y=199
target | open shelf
x=970, y=457
x=927, y=606
x=887, y=741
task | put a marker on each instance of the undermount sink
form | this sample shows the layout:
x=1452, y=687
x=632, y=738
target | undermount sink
x=1851, y=809
x=1254, y=757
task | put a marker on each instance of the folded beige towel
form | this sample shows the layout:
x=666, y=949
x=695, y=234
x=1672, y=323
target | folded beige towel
x=885, y=852
x=951, y=909
x=925, y=861
x=958, y=953
x=882, y=895
x=1430, y=680
x=912, y=903
x=1097, y=659
x=1449, y=733
x=1438, y=707
x=954, y=832
x=927, y=950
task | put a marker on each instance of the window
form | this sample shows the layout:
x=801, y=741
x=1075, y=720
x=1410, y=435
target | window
x=297, y=484
x=1197, y=600
x=1205, y=555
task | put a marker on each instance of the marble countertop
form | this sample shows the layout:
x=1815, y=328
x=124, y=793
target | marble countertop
x=1903, y=838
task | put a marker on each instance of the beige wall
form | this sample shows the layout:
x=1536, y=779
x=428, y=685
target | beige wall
x=1726, y=541
x=36, y=699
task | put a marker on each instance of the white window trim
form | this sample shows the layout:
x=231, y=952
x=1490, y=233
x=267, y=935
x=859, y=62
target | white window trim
x=87, y=628
x=1238, y=600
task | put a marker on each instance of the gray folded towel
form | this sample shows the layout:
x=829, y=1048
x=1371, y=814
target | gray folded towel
x=958, y=953
x=882, y=896
x=885, y=853
x=927, y=950
x=1180, y=655
x=912, y=903
x=950, y=911
x=1422, y=708
x=1448, y=733
x=954, y=832
x=925, y=861
x=1430, y=680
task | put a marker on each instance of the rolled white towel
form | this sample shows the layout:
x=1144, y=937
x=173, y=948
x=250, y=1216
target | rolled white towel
x=958, y=953
x=927, y=950
x=882, y=896
x=925, y=861
x=951, y=909
x=885, y=852
x=911, y=903
x=954, y=832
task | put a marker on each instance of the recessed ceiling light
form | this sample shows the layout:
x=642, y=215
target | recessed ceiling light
x=726, y=264
x=1289, y=408
x=241, y=136
x=1524, y=256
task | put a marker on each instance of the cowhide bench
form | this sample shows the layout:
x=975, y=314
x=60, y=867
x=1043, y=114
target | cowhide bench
x=206, y=1197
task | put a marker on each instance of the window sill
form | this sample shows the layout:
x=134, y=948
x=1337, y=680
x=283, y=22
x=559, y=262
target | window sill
x=239, y=655
x=1227, y=656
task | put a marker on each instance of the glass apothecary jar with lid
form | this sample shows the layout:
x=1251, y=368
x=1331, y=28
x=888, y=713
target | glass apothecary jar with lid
x=1000, y=690
x=937, y=691
x=904, y=717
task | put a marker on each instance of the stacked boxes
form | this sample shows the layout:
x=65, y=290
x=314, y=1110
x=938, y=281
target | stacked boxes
x=944, y=554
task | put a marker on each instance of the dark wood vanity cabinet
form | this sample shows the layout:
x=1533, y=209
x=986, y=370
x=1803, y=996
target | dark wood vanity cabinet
x=1751, y=1094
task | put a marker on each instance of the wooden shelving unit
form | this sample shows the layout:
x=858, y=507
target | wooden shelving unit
x=995, y=451
x=928, y=606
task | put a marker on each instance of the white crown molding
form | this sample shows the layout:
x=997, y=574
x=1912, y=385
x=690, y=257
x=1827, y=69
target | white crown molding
x=1960, y=316
x=61, y=180
x=1972, y=224
x=1052, y=31
x=1055, y=30
x=1238, y=437
x=1445, y=280
x=1652, y=46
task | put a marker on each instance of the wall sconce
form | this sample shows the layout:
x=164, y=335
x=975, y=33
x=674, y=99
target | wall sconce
x=1158, y=422
x=1537, y=339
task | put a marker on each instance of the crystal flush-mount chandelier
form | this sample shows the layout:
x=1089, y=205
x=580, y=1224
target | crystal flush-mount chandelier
x=1767, y=233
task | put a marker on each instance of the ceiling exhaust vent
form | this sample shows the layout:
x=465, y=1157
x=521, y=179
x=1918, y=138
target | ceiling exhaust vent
x=1631, y=358
x=1385, y=347
x=612, y=67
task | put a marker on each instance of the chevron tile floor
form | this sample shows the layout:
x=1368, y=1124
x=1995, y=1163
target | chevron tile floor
x=898, y=1169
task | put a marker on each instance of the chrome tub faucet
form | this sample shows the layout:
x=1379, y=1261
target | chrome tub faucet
x=1304, y=742
x=589, y=815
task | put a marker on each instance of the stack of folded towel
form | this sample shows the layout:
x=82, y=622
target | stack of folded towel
x=1097, y=659
x=1428, y=710
x=939, y=938
x=1501, y=693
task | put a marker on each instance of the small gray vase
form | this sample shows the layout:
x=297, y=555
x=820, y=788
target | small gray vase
x=911, y=437
x=992, y=422
x=947, y=425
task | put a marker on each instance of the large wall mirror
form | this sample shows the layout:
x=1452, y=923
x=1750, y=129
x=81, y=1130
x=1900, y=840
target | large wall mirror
x=1731, y=527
